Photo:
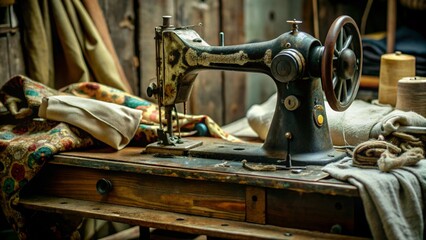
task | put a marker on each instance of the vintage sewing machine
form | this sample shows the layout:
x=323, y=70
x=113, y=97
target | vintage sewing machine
x=302, y=69
x=189, y=193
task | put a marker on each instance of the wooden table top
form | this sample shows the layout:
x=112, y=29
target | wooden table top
x=206, y=195
x=132, y=159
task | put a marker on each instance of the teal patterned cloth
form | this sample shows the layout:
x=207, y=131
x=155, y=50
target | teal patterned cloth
x=27, y=143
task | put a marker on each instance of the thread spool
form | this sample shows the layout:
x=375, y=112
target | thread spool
x=411, y=95
x=393, y=67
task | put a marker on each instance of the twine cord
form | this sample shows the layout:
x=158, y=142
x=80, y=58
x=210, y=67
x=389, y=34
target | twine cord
x=400, y=149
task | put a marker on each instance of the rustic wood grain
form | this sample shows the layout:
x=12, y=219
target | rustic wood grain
x=170, y=221
x=16, y=58
x=120, y=18
x=208, y=96
x=11, y=57
x=131, y=160
x=150, y=14
x=207, y=89
x=185, y=185
x=234, y=86
x=203, y=198
x=255, y=205
x=4, y=60
x=313, y=211
x=212, y=95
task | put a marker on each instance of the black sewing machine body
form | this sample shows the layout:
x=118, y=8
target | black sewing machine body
x=299, y=131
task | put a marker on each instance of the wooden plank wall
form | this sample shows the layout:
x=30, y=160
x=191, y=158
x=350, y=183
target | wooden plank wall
x=131, y=25
x=329, y=10
x=217, y=94
x=120, y=17
x=11, y=58
x=224, y=96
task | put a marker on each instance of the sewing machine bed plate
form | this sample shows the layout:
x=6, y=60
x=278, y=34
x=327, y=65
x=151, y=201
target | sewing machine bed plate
x=253, y=153
x=213, y=156
x=204, y=188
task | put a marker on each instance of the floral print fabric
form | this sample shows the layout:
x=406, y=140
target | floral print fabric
x=28, y=142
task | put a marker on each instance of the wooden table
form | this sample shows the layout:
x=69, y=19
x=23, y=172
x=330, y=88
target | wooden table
x=194, y=195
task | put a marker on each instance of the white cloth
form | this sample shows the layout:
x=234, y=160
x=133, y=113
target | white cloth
x=392, y=121
x=110, y=123
x=354, y=125
x=260, y=116
x=393, y=202
x=359, y=123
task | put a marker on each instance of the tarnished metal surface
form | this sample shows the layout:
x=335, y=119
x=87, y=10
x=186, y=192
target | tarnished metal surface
x=256, y=154
x=181, y=147
x=295, y=61
x=206, y=59
x=342, y=63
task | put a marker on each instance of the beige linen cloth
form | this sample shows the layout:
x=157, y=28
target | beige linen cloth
x=380, y=134
x=359, y=123
x=110, y=123
x=393, y=201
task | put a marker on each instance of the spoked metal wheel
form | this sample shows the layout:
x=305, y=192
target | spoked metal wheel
x=341, y=63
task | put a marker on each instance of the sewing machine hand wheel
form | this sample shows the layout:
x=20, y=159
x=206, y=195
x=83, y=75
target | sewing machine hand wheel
x=341, y=63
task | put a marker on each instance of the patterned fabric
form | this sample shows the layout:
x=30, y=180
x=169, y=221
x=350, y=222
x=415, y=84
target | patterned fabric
x=28, y=142
x=147, y=131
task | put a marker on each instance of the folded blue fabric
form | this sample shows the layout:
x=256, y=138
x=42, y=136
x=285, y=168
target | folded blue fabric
x=407, y=41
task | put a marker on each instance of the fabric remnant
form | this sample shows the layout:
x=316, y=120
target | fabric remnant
x=27, y=143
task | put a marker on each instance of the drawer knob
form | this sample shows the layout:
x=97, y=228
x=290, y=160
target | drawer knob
x=103, y=186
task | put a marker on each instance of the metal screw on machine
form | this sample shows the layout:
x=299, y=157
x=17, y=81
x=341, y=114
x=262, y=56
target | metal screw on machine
x=166, y=21
x=152, y=90
x=294, y=26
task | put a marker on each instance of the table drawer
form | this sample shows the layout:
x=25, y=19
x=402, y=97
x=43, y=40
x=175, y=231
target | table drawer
x=203, y=198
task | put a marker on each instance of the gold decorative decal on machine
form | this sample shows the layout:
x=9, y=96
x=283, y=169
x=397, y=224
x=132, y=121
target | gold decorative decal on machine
x=205, y=59
x=174, y=67
x=169, y=90
x=267, y=59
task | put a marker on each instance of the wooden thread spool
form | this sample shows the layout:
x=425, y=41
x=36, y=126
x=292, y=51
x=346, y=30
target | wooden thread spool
x=393, y=67
x=412, y=95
